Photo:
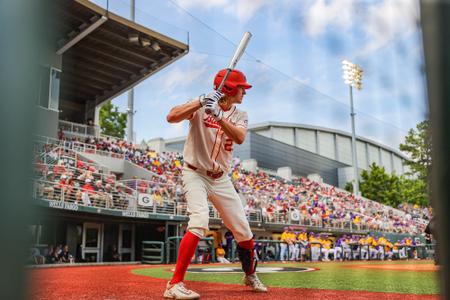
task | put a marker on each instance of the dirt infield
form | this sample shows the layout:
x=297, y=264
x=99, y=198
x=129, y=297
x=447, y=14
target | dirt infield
x=396, y=267
x=117, y=282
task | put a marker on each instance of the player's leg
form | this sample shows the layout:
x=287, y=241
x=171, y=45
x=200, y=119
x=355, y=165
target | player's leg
x=315, y=253
x=395, y=254
x=297, y=252
x=228, y=203
x=325, y=253
x=374, y=253
x=381, y=254
x=337, y=253
x=291, y=252
x=283, y=251
x=197, y=207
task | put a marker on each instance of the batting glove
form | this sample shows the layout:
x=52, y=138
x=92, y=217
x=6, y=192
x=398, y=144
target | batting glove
x=202, y=98
x=216, y=95
x=212, y=107
x=212, y=97
x=218, y=114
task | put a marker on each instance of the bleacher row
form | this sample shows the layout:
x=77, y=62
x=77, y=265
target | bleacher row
x=64, y=175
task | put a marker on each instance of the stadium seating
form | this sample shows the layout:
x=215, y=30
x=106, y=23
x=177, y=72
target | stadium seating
x=268, y=198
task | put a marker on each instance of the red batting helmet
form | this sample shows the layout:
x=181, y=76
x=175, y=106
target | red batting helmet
x=235, y=78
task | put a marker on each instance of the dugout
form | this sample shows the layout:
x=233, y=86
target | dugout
x=91, y=236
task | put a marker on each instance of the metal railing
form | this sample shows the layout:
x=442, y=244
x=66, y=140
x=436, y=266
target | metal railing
x=76, y=129
x=170, y=194
x=285, y=218
x=91, y=149
x=51, y=154
x=125, y=198
x=152, y=252
x=164, y=190
x=42, y=172
x=270, y=250
x=82, y=196
x=120, y=198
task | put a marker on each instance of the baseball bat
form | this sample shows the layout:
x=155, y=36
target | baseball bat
x=234, y=60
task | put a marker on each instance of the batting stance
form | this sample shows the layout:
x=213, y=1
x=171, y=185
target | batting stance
x=207, y=157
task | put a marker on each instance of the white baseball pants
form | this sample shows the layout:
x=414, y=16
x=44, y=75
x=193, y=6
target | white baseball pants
x=198, y=188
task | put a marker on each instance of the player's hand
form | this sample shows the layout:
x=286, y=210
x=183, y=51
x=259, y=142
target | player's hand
x=212, y=101
x=215, y=96
x=218, y=114
x=211, y=96
x=212, y=107
x=202, y=98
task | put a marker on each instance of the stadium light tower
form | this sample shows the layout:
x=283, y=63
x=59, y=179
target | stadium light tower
x=130, y=108
x=353, y=77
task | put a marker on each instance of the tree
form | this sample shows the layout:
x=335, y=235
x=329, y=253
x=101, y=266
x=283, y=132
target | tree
x=413, y=191
x=418, y=146
x=112, y=122
x=390, y=189
x=378, y=185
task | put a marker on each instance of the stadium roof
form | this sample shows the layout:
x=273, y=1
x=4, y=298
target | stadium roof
x=266, y=125
x=105, y=54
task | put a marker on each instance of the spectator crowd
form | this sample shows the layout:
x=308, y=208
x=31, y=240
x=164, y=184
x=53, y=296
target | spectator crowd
x=300, y=201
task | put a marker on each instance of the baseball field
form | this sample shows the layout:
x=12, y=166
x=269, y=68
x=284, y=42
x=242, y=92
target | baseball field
x=342, y=280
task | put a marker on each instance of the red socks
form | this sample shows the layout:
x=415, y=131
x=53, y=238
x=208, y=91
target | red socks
x=249, y=245
x=185, y=252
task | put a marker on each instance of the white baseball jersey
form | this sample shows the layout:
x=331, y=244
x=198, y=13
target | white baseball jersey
x=207, y=147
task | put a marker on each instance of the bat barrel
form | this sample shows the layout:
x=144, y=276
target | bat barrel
x=240, y=49
x=236, y=57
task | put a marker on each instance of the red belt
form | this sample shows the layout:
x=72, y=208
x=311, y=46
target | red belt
x=213, y=175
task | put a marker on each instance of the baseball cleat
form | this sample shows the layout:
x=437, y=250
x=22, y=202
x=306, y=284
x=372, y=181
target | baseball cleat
x=254, y=282
x=178, y=291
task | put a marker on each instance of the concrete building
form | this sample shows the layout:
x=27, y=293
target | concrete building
x=311, y=151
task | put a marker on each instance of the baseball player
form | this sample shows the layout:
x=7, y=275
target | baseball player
x=303, y=242
x=208, y=153
x=382, y=241
x=346, y=249
x=285, y=236
x=372, y=242
x=338, y=249
x=402, y=249
x=388, y=249
x=326, y=246
x=363, y=248
x=315, y=247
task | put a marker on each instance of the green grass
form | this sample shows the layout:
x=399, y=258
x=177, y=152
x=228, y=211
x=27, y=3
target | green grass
x=331, y=276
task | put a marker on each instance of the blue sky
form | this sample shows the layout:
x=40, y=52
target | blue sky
x=293, y=61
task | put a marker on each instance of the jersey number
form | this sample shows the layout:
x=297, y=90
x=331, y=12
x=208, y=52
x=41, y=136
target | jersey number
x=228, y=144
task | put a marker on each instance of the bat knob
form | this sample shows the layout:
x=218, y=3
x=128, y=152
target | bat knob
x=208, y=111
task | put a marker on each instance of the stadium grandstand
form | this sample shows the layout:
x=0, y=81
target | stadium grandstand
x=95, y=192
x=304, y=150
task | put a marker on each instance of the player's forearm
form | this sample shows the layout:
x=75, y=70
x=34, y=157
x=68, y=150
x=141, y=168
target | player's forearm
x=182, y=112
x=237, y=134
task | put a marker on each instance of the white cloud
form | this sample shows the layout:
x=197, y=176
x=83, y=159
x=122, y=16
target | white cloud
x=323, y=14
x=242, y=10
x=380, y=22
x=179, y=77
x=388, y=20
